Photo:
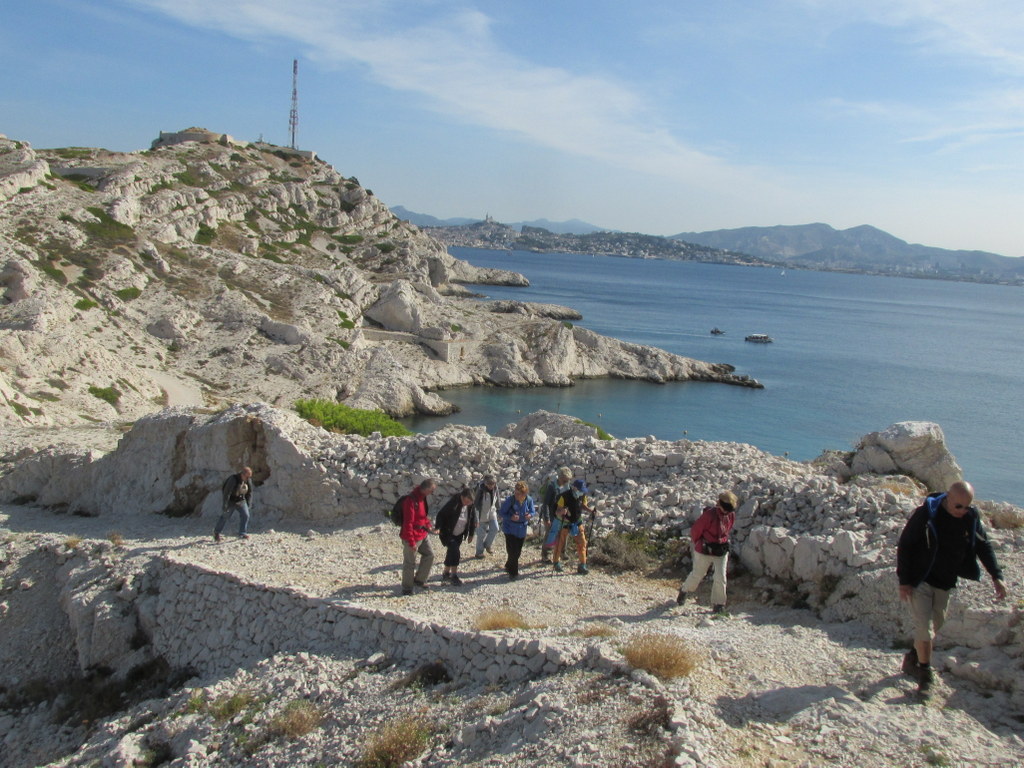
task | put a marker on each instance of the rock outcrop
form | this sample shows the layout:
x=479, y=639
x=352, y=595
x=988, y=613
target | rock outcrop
x=259, y=273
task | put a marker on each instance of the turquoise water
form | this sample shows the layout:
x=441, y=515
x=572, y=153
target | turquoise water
x=852, y=354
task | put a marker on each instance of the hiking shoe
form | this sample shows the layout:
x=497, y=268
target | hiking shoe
x=582, y=568
x=925, y=678
x=479, y=556
x=489, y=550
x=513, y=576
x=456, y=581
x=216, y=538
x=545, y=556
x=445, y=577
x=681, y=598
x=558, y=568
x=718, y=610
x=406, y=592
x=910, y=663
x=422, y=586
x=243, y=535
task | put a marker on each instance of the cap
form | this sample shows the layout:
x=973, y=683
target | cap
x=580, y=486
x=728, y=497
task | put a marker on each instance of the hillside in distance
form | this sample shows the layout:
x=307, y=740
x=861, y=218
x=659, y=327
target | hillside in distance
x=570, y=227
x=860, y=249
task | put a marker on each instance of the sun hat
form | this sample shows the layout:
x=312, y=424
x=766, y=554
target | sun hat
x=728, y=497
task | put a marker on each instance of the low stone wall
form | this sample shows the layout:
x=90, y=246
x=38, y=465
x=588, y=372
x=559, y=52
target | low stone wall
x=215, y=622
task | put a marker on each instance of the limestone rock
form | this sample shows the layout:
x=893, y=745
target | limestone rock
x=917, y=448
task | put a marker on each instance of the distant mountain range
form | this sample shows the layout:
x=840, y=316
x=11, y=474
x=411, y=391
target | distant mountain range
x=863, y=249
x=858, y=249
x=571, y=227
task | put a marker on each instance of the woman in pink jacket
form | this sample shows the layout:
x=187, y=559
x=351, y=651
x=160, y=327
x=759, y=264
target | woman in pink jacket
x=710, y=537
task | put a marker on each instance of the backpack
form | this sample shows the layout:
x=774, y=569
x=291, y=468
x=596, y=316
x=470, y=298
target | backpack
x=396, y=514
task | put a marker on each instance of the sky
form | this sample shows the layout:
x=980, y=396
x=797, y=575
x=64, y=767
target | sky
x=653, y=116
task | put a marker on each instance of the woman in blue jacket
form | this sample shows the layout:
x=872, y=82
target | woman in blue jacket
x=515, y=513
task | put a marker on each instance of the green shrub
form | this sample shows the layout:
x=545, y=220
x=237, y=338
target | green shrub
x=624, y=551
x=84, y=304
x=601, y=434
x=386, y=247
x=108, y=394
x=336, y=417
x=298, y=718
x=349, y=239
x=128, y=294
x=205, y=235
x=106, y=229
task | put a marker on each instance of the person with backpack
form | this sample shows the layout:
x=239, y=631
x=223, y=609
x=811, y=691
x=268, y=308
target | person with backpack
x=516, y=513
x=416, y=528
x=710, y=538
x=456, y=521
x=569, y=509
x=942, y=541
x=236, y=496
x=557, y=485
x=486, y=505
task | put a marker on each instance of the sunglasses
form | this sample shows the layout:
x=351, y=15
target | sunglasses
x=961, y=506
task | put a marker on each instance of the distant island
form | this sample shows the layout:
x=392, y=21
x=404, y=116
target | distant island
x=861, y=250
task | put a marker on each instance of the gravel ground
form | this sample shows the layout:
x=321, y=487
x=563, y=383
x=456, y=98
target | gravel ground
x=773, y=686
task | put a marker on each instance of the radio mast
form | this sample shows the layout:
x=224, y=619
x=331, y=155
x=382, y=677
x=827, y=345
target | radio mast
x=293, y=118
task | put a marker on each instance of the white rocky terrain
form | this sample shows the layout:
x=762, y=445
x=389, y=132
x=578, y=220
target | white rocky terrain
x=160, y=311
x=218, y=271
x=195, y=654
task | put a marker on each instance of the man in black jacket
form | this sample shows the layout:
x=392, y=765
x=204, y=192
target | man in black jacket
x=236, y=494
x=942, y=541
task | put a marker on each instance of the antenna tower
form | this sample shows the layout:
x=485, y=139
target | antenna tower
x=293, y=117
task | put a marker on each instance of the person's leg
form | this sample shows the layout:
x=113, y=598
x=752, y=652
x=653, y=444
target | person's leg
x=921, y=611
x=701, y=563
x=408, y=566
x=514, y=547
x=243, y=518
x=492, y=530
x=581, y=546
x=559, y=549
x=221, y=522
x=718, y=583
x=426, y=562
x=456, y=558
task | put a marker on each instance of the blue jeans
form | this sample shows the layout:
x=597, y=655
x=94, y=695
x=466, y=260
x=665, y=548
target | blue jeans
x=486, y=531
x=243, y=517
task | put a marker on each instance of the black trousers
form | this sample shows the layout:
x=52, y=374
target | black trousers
x=514, y=548
x=453, y=552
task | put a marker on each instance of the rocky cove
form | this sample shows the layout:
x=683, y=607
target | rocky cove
x=236, y=277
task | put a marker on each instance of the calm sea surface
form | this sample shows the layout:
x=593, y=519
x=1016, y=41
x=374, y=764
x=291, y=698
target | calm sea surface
x=852, y=354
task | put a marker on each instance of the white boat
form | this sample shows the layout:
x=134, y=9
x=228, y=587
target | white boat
x=759, y=338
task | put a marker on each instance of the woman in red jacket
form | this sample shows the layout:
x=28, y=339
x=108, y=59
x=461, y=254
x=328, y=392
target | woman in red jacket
x=710, y=537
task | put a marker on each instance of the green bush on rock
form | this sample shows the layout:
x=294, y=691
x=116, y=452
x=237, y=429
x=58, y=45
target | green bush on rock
x=336, y=417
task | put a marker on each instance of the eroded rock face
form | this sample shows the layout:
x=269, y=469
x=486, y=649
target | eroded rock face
x=916, y=448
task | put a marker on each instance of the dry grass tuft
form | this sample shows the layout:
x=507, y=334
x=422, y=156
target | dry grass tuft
x=298, y=718
x=72, y=542
x=663, y=655
x=500, y=618
x=596, y=629
x=397, y=742
x=116, y=539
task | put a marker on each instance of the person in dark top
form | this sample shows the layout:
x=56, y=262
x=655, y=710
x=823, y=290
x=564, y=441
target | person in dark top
x=942, y=541
x=236, y=495
x=454, y=522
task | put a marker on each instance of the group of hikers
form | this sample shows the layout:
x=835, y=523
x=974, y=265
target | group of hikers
x=942, y=541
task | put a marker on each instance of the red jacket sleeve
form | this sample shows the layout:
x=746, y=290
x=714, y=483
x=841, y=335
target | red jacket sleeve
x=414, y=517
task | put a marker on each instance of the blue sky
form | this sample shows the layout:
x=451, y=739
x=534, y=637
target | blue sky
x=651, y=116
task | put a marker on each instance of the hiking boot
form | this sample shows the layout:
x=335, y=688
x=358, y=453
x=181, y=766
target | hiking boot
x=422, y=585
x=582, y=569
x=243, y=535
x=406, y=592
x=489, y=550
x=445, y=577
x=558, y=568
x=910, y=663
x=456, y=581
x=545, y=556
x=925, y=678
x=216, y=538
x=681, y=598
x=479, y=556
x=718, y=610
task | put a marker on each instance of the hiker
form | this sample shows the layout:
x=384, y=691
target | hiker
x=942, y=540
x=710, y=537
x=236, y=495
x=569, y=509
x=415, y=530
x=486, y=505
x=556, y=486
x=456, y=521
x=516, y=513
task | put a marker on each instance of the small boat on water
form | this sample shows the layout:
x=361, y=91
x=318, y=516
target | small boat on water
x=716, y=331
x=759, y=338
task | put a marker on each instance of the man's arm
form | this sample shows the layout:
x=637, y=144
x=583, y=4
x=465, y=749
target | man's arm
x=987, y=556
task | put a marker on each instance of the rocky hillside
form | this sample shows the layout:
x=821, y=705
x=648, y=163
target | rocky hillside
x=215, y=271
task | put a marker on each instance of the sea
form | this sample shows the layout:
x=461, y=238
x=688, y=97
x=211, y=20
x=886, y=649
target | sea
x=851, y=354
